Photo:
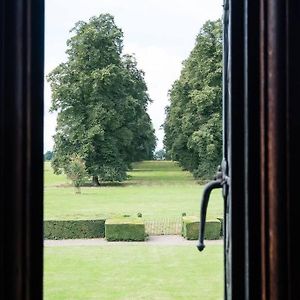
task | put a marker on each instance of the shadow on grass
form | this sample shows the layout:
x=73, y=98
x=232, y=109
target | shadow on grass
x=102, y=184
x=153, y=170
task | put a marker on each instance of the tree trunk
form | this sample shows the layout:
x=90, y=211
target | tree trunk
x=96, y=181
x=77, y=189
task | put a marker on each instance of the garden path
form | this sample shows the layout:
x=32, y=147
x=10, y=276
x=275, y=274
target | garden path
x=164, y=240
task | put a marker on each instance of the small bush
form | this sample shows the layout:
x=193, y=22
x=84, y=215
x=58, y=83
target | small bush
x=190, y=228
x=76, y=171
x=73, y=229
x=125, y=229
x=139, y=215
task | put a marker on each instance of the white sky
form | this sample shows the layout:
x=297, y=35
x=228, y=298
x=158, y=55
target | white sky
x=161, y=34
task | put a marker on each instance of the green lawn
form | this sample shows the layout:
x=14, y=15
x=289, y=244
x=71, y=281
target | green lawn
x=157, y=189
x=133, y=272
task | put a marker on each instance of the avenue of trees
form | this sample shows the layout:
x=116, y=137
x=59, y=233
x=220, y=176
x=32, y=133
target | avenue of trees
x=101, y=99
x=193, y=126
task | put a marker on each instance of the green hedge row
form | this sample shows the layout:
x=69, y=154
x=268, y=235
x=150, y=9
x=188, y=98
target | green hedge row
x=190, y=228
x=125, y=229
x=73, y=229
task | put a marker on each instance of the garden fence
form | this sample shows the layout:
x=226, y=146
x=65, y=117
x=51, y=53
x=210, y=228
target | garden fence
x=165, y=226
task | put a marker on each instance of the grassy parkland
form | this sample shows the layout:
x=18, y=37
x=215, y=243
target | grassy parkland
x=133, y=272
x=157, y=189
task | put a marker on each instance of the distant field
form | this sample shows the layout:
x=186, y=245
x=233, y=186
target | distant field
x=157, y=189
x=133, y=272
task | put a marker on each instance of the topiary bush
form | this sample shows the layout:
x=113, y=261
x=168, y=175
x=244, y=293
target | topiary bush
x=190, y=228
x=73, y=229
x=125, y=229
x=212, y=229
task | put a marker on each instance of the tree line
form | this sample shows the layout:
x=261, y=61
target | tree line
x=193, y=125
x=101, y=99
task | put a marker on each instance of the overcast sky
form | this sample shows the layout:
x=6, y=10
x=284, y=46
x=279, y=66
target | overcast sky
x=161, y=34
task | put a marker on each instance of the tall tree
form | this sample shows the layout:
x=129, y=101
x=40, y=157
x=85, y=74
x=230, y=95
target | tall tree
x=48, y=155
x=101, y=99
x=193, y=127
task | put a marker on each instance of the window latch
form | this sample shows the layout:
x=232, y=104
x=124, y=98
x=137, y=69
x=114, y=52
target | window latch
x=221, y=180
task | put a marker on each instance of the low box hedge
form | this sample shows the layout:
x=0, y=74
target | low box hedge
x=190, y=228
x=73, y=229
x=222, y=226
x=125, y=229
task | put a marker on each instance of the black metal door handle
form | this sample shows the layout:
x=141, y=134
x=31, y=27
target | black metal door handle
x=215, y=184
x=220, y=181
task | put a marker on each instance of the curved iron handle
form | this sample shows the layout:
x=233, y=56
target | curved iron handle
x=215, y=184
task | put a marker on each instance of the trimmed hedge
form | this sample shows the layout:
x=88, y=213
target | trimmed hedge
x=212, y=229
x=125, y=229
x=222, y=226
x=73, y=229
x=190, y=228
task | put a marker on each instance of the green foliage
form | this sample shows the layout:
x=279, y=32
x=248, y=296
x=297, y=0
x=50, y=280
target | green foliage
x=76, y=171
x=73, y=229
x=213, y=229
x=48, y=155
x=193, y=127
x=125, y=229
x=190, y=228
x=222, y=226
x=160, y=154
x=101, y=99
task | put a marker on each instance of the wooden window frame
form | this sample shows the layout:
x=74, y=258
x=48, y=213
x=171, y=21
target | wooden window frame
x=263, y=148
x=21, y=148
x=263, y=155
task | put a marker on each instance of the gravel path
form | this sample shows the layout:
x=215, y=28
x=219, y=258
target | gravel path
x=162, y=240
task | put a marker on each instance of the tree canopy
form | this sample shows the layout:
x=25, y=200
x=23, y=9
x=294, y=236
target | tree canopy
x=48, y=155
x=193, y=126
x=101, y=99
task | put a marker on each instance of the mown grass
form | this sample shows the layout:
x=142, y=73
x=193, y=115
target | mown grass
x=159, y=173
x=133, y=272
x=157, y=189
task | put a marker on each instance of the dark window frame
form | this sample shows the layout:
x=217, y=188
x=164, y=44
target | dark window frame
x=263, y=149
x=21, y=148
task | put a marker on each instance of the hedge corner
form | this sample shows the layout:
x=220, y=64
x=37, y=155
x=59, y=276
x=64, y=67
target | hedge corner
x=190, y=228
x=73, y=229
x=125, y=229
